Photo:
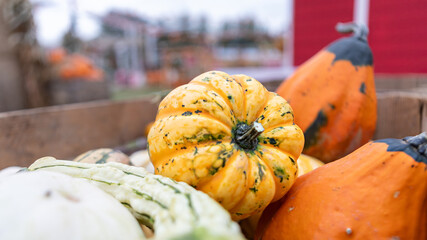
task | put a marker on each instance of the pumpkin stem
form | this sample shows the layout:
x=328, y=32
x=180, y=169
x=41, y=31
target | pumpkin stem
x=360, y=30
x=419, y=141
x=247, y=136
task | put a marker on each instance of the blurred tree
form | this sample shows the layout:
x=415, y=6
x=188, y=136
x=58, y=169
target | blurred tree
x=26, y=60
x=184, y=24
x=70, y=41
x=203, y=27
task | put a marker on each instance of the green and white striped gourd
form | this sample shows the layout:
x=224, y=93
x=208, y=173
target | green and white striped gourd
x=173, y=209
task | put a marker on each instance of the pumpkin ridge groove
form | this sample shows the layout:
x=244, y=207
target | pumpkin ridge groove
x=278, y=149
x=270, y=168
x=216, y=90
x=248, y=184
x=243, y=96
x=267, y=101
x=231, y=159
x=190, y=148
x=205, y=114
x=271, y=128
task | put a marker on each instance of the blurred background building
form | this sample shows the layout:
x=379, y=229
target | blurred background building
x=59, y=52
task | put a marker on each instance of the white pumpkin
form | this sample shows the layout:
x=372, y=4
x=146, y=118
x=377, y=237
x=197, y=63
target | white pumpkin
x=48, y=205
x=142, y=159
x=6, y=172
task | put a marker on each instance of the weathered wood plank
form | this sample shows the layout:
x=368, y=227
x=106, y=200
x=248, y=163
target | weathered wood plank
x=424, y=116
x=399, y=114
x=66, y=131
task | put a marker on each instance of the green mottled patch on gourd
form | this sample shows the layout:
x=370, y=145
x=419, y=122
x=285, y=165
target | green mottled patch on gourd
x=362, y=88
x=86, y=155
x=190, y=205
x=280, y=173
x=201, y=136
x=149, y=198
x=37, y=168
x=288, y=112
x=143, y=218
x=105, y=182
x=230, y=98
x=261, y=170
x=222, y=158
x=187, y=113
x=275, y=130
x=103, y=159
x=176, y=190
x=312, y=133
x=253, y=189
x=270, y=140
x=219, y=105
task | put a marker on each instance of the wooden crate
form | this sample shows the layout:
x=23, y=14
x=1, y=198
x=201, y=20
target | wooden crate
x=66, y=131
x=401, y=113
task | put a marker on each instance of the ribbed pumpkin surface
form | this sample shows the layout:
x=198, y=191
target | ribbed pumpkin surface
x=195, y=139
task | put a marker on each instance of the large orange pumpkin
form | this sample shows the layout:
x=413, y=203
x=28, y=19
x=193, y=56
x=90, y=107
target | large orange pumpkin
x=333, y=97
x=230, y=138
x=377, y=192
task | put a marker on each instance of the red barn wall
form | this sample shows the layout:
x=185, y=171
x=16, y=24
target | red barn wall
x=398, y=35
x=314, y=25
x=398, y=31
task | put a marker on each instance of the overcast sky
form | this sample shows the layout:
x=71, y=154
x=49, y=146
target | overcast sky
x=52, y=19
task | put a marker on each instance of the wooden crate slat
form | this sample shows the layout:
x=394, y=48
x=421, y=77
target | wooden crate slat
x=424, y=117
x=399, y=114
x=68, y=130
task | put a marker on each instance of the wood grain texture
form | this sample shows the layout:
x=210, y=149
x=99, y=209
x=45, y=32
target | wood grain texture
x=424, y=116
x=400, y=114
x=66, y=131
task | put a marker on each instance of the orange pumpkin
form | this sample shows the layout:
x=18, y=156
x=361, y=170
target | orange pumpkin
x=77, y=66
x=333, y=97
x=147, y=128
x=307, y=164
x=230, y=138
x=377, y=192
